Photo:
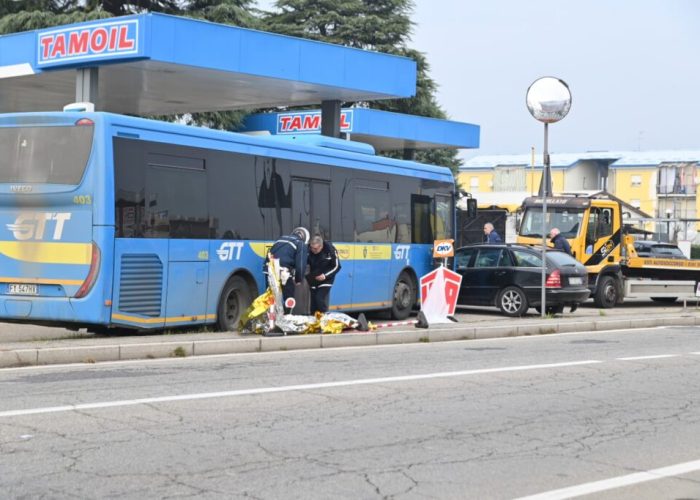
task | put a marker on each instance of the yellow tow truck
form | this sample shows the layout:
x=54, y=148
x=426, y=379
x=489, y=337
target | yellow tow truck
x=593, y=226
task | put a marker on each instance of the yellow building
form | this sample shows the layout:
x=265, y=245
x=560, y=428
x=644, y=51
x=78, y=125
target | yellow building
x=659, y=183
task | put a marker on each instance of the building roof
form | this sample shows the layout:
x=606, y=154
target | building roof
x=382, y=129
x=566, y=160
x=160, y=64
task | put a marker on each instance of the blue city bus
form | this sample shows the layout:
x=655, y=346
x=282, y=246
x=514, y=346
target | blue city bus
x=111, y=221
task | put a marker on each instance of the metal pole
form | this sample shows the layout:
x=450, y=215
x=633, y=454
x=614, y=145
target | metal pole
x=546, y=191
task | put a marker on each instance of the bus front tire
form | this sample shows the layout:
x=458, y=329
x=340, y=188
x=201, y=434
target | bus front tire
x=404, y=297
x=234, y=300
x=606, y=294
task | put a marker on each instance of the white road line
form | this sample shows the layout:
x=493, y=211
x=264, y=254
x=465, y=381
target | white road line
x=287, y=388
x=656, y=356
x=695, y=353
x=616, y=482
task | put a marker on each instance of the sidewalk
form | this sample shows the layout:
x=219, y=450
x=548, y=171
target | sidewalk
x=474, y=324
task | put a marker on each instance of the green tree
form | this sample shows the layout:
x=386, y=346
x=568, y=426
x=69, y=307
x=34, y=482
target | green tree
x=382, y=25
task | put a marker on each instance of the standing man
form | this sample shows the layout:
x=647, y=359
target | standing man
x=490, y=235
x=292, y=253
x=324, y=264
x=560, y=243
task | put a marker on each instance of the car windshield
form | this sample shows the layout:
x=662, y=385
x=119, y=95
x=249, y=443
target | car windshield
x=567, y=220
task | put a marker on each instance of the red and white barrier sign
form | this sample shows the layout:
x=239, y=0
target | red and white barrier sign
x=439, y=290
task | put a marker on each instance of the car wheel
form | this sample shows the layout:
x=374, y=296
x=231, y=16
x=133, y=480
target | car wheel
x=512, y=301
x=669, y=300
x=606, y=293
x=404, y=297
x=235, y=299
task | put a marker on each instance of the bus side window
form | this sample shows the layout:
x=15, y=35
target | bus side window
x=420, y=219
x=443, y=216
x=374, y=221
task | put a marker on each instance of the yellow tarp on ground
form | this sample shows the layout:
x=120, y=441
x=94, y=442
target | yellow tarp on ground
x=256, y=319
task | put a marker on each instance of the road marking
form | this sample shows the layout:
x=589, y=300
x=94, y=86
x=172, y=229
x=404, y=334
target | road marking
x=656, y=356
x=287, y=388
x=616, y=482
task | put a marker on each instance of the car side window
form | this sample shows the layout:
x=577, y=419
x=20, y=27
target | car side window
x=488, y=257
x=505, y=260
x=526, y=259
x=463, y=256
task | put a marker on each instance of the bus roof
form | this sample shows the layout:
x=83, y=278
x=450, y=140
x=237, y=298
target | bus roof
x=151, y=64
x=336, y=152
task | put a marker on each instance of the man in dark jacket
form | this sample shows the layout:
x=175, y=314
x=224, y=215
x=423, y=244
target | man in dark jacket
x=324, y=265
x=490, y=235
x=292, y=253
x=560, y=243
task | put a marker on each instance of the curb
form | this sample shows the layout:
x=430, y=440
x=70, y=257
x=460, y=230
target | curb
x=153, y=350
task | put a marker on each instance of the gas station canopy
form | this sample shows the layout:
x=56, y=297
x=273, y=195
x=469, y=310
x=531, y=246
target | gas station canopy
x=152, y=64
x=382, y=129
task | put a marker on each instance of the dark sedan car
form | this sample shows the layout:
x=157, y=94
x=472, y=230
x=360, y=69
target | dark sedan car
x=510, y=278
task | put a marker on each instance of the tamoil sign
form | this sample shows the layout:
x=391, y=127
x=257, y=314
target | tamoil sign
x=88, y=42
x=309, y=122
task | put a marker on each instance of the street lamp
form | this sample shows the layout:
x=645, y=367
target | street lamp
x=548, y=99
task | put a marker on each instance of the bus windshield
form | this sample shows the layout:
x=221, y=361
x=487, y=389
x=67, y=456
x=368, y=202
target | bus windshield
x=567, y=220
x=51, y=155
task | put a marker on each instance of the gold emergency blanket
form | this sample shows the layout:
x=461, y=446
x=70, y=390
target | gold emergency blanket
x=257, y=319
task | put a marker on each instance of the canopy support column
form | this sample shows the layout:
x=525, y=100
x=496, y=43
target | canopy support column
x=330, y=118
x=86, y=80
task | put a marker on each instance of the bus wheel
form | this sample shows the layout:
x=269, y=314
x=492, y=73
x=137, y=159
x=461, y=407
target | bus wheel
x=234, y=300
x=606, y=293
x=404, y=296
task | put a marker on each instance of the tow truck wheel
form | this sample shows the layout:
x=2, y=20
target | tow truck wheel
x=512, y=301
x=606, y=293
x=234, y=300
x=404, y=297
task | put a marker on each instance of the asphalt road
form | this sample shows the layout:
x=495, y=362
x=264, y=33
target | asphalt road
x=599, y=413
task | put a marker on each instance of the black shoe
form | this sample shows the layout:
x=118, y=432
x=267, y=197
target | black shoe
x=422, y=321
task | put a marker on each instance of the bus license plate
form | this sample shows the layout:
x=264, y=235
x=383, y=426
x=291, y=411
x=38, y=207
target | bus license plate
x=22, y=289
x=575, y=280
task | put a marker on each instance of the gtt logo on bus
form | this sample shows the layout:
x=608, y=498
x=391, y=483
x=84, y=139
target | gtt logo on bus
x=87, y=42
x=309, y=122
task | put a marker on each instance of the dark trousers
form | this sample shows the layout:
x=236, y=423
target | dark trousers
x=288, y=290
x=320, y=296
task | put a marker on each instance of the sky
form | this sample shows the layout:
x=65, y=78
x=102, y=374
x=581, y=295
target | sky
x=633, y=67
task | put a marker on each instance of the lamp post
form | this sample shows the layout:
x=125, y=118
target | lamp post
x=548, y=99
